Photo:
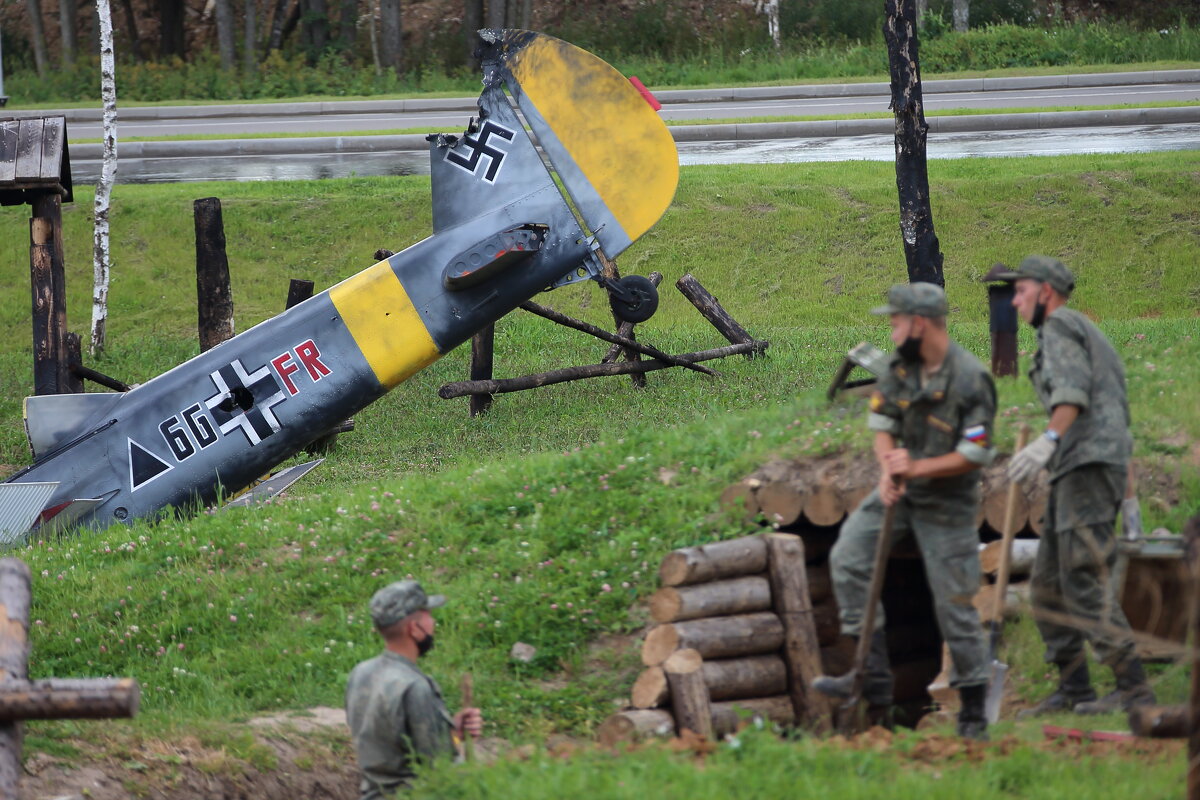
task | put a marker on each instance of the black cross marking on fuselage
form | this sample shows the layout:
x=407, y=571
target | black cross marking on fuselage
x=243, y=400
x=479, y=147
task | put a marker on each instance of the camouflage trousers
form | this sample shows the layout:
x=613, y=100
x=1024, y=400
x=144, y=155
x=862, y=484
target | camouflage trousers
x=1072, y=599
x=951, y=556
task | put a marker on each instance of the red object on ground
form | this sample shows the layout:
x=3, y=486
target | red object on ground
x=641, y=87
x=1078, y=735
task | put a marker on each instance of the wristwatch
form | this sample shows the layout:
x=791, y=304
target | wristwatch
x=1052, y=435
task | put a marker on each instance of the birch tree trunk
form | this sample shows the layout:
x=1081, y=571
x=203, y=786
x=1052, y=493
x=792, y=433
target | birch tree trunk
x=101, y=261
x=225, y=34
x=921, y=249
x=67, y=9
x=771, y=9
x=961, y=10
x=38, y=32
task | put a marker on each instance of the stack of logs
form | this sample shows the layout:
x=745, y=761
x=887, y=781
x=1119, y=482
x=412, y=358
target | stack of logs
x=753, y=620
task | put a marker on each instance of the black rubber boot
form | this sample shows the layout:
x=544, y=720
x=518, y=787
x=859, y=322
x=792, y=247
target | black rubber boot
x=1074, y=687
x=877, y=682
x=972, y=719
x=1132, y=690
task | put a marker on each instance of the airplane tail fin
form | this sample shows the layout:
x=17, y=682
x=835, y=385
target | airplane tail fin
x=611, y=150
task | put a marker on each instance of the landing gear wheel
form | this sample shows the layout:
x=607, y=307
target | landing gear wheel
x=639, y=301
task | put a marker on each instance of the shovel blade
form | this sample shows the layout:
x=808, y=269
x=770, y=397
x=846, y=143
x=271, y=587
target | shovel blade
x=995, y=692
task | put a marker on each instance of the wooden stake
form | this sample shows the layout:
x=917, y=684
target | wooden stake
x=712, y=311
x=214, y=299
x=467, y=690
x=689, y=694
x=801, y=648
x=482, y=358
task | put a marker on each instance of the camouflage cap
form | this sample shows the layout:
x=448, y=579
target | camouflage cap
x=919, y=299
x=1044, y=269
x=397, y=600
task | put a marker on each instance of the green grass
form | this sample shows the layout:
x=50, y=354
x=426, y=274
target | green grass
x=544, y=520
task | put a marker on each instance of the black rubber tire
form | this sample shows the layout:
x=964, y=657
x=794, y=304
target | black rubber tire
x=645, y=301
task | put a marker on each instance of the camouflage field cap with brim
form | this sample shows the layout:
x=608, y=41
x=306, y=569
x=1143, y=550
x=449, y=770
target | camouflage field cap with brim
x=397, y=600
x=1044, y=269
x=918, y=299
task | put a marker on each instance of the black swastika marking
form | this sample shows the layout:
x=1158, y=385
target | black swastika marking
x=479, y=147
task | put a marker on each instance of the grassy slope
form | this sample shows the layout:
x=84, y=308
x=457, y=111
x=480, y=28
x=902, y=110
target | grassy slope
x=566, y=496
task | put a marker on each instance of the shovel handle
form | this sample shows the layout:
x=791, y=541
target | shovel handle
x=467, y=690
x=1007, y=535
x=883, y=548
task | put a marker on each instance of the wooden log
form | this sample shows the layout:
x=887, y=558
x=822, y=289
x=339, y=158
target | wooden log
x=482, y=350
x=994, y=503
x=47, y=347
x=15, y=585
x=689, y=693
x=1024, y=553
x=502, y=386
x=713, y=599
x=726, y=679
x=781, y=502
x=801, y=646
x=633, y=724
x=622, y=341
x=730, y=714
x=214, y=299
x=69, y=698
x=709, y=562
x=299, y=290
x=712, y=311
x=1037, y=498
x=650, y=690
x=741, y=498
x=825, y=504
x=1160, y=722
x=718, y=637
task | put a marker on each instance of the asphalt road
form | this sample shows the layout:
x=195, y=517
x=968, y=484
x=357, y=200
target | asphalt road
x=267, y=121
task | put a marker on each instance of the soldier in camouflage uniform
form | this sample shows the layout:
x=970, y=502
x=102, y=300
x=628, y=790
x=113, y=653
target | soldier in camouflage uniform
x=1080, y=381
x=932, y=415
x=396, y=712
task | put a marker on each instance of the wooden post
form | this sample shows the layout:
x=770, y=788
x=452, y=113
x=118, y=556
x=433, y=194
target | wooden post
x=21, y=699
x=73, y=356
x=214, y=299
x=48, y=206
x=482, y=353
x=299, y=290
x=1191, y=533
x=47, y=347
x=801, y=648
x=689, y=693
x=1002, y=319
x=14, y=662
x=712, y=311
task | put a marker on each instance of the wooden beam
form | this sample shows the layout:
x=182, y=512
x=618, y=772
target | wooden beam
x=689, y=694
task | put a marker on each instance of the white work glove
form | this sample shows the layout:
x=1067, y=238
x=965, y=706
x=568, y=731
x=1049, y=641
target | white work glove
x=1131, y=519
x=1026, y=464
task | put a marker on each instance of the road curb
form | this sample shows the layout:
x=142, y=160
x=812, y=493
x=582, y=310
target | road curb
x=682, y=133
x=671, y=96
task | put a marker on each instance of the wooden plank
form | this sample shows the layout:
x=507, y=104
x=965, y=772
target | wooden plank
x=53, y=141
x=29, y=150
x=8, y=150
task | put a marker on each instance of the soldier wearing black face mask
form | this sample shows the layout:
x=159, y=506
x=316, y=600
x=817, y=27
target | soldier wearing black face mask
x=1086, y=449
x=395, y=711
x=932, y=416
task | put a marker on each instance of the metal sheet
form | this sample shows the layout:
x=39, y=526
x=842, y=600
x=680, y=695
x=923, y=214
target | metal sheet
x=29, y=150
x=53, y=142
x=273, y=485
x=20, y=503
x=8, y=151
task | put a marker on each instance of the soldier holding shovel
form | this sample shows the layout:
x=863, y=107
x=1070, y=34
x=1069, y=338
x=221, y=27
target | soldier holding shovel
x=932, y=415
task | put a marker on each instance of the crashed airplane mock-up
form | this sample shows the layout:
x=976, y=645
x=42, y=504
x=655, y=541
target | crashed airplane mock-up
x=502, y=232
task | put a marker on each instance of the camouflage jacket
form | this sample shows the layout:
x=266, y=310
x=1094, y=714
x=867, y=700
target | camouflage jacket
x=395, y=713
x=953, y=412
x=1076, y=364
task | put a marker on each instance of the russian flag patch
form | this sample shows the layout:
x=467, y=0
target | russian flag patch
x=976, y=434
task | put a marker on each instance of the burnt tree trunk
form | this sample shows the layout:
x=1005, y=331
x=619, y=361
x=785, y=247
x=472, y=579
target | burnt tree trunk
x=214, y=299
x=921, y=250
